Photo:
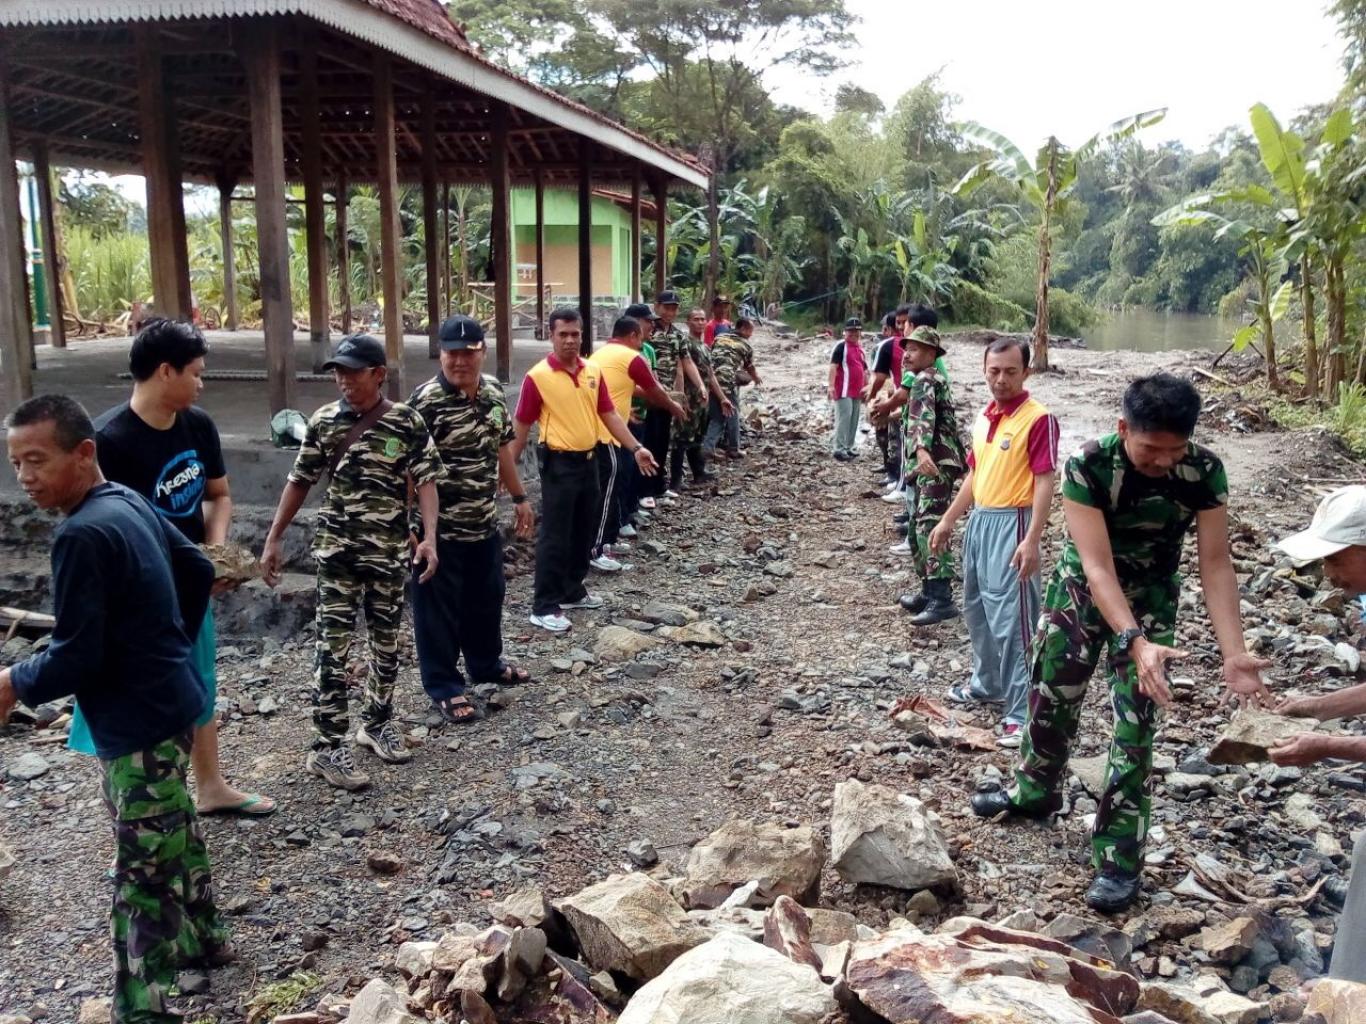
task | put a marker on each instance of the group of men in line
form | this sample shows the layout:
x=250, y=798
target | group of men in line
x=131, y=586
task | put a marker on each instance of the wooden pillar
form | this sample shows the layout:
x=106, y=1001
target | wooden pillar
x=343, y=252
x=446, y=248
x=430, y=226
x=261, y=55
x=586, y=244
x=504, y=267
x=16, y=329
x=226, y=186
x=661, y=191
x=635, y=236
x=391, y=255
x=315, y=208
x=52, y=271
x=166, y=235
x=540, y=254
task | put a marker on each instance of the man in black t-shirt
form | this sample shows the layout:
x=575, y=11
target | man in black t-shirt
x=160, y=445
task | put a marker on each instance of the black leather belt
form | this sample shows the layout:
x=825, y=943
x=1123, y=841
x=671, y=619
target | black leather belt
x=556, y=453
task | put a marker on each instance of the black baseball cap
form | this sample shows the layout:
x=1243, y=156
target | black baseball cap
x=853, y=324
x=357, y=352
x=722, y=329
x=460, y=332
x=640, y=311
x=668, y=297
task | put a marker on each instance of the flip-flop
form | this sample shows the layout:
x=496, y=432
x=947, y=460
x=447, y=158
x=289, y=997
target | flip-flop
x=254, y=806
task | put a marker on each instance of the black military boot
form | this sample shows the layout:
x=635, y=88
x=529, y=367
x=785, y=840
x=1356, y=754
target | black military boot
x=914, y=603
x=1113, y=891
x=675, y=468
x=996, y=801
x=697, y=462
x=940, y=607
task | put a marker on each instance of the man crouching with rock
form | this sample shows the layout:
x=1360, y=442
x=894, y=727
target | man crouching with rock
x=1337, y=537
x=129, y=591
x=1129, y=499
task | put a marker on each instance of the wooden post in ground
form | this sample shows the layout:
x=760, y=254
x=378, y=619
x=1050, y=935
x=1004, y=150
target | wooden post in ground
x=505, y=264
x=261, y=54
x=635, y=235
x=661, y=191
x=166, y=234
x=343, y=253
x=540, y=254
x=16, y=329
x=446, y=248
x=226, y=185
x=586, y=245
x=391, y=255
x=430, y=226
x=52, y=271
x=315, y=210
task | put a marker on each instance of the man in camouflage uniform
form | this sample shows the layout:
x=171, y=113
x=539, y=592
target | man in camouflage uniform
x=129, y=590
x=360, y=547
x=731, y=355
x=672, y=361
x=935, y=460
x=459, y=612
x=1129, y=499
x=699, y=384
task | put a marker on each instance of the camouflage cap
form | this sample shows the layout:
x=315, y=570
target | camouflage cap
x=928, y=337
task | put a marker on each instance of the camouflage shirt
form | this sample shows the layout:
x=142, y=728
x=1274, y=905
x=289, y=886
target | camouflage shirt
x=467, y=434
x=729, y=356
x=363, y=517
x=669, y=344
x=1146, y=517
x=696, y=349
x=931, y=423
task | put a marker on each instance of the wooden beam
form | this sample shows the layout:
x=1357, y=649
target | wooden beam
x=540, y=255
x=586, y=245
x=315, y=214
x=261, y=55
x=16, y=329
x=505, y=263
x=343, y=252
x=661, y=191
x=635, y=236
x=166, y=234
x=225, y=186
x=430, y=226
x=391, y=253
x=52, y=271
x=446, y=249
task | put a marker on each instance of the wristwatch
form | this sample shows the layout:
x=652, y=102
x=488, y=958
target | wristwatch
x=637, y=448
x=519, y=499
x=1126, y=639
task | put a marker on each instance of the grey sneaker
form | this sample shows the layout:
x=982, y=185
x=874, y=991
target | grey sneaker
x=386, y=740
x=588, y=601
x=336, y=768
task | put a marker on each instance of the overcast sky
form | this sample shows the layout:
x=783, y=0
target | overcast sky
x=1071, y=67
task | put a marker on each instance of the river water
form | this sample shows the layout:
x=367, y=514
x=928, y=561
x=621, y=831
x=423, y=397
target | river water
x=1146, y=330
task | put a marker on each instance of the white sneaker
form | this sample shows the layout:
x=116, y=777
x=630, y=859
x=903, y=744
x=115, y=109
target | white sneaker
x=646, y=503
x=1011, y=736
x=588, y=602
x=555, y=622
x=904, y=548
x=628, y=531
x=619, y=546
x=671, y=493
x=896, y=497
x=604, y=563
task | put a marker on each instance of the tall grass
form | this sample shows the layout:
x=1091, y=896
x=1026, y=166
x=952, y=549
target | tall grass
x=111, y=272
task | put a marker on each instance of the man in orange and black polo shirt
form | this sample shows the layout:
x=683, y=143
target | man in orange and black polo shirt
x=1009, y=486
x=566, y=397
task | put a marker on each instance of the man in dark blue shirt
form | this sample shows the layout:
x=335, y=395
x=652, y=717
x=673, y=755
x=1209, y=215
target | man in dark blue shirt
x=129, y=590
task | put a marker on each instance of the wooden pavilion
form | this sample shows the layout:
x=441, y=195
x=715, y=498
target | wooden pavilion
x=320, y=93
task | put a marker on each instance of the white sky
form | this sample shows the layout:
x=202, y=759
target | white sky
x=1208, y=61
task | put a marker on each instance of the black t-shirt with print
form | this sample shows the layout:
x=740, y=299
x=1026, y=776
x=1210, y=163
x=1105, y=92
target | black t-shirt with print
x=170, y=468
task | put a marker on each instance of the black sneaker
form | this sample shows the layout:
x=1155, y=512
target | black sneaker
x=386, y=740
x=1113, y=891
x=336, y=768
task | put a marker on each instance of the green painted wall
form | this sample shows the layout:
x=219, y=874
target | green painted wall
x=611, y=233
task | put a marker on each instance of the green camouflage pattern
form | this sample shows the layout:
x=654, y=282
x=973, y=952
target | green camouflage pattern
x=467, y=434
x=1147, y=518
x=927, y=499
x=343, y=591
x=690, y=431
x=364, y=513
x=929, y=422
x=729, y=356
x=639, y=405
x=669, y=344
x=1072, y=634
x=163, y=916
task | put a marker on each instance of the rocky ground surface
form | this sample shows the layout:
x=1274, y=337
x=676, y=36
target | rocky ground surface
x=750, y=662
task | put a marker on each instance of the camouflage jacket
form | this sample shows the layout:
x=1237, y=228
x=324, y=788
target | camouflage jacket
x=931, y=423
x=729, y=356
x=467, y=434
x=669, y=345
x=1146, y=517
x=363, y=519
x=697, y=350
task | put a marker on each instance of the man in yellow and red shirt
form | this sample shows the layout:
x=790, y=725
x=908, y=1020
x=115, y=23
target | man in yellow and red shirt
x=564, y=396
x=1009, y=487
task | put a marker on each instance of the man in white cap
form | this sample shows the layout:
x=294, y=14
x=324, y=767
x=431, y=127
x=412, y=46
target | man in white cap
x=1336, y=537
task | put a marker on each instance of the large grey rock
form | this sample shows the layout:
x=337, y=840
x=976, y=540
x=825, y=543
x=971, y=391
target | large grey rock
x=703, y=633
x=732, y=980
x=668, y=614
x=28, y=766
x=881, y=837
x=7, y=861
x=784, y=861
x=617, y=643
x=1338, y=1002
x=630, y=924
x=1251, y=733
x=378, y=1003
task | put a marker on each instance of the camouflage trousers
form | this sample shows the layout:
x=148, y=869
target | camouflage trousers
x=927, y=499
x=343, y=592
x=690, y=431
x=163, y=917
x=1072, y=633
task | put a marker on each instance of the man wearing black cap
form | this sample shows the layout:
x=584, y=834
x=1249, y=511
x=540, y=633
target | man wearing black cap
x=369, y=447
x=459, y=612
x=672, y=360
x=848, y=368
x=720, y=317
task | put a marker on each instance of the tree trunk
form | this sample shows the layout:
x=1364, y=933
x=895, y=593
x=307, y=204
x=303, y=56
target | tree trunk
x=1040, y=360
x=1335, y=288
x=714, y=247
x=1311, y=348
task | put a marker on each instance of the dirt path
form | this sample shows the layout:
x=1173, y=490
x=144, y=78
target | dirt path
x=788, y=556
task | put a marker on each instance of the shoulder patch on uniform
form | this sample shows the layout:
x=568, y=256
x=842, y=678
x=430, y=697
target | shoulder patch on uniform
x=392, y=447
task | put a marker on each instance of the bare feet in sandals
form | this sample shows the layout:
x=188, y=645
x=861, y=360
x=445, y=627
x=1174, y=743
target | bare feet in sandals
x=458, y=710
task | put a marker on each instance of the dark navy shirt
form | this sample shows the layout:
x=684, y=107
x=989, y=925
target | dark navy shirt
x=129, y=591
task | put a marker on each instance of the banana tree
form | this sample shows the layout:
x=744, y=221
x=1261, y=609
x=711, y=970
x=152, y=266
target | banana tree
x=923, y=270
x=1044, y=185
